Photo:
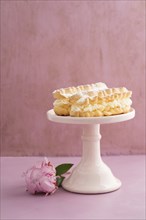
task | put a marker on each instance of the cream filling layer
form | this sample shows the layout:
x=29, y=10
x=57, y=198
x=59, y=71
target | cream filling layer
x=116, y=103
x=60, y=102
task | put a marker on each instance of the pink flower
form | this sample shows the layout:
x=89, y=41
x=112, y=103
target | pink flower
x=41, y=178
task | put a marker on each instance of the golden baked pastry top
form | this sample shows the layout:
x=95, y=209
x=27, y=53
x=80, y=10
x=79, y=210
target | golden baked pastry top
x=67, y=92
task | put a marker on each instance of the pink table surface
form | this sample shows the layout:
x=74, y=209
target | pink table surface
x=125, y=203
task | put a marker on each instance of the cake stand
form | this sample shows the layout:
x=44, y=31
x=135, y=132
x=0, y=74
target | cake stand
x=91, y=175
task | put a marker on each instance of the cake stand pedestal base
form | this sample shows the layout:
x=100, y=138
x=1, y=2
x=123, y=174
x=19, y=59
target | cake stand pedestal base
x=91, y=175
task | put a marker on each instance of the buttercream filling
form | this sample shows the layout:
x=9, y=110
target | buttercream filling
x=122, y=103
x=60, y=102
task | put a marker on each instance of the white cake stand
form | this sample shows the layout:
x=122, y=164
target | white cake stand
x=91, y=175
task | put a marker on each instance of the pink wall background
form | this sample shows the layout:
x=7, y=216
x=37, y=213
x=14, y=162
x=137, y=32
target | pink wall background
x=51, y=44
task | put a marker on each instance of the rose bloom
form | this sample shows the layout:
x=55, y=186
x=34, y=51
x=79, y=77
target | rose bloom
x=41, y=178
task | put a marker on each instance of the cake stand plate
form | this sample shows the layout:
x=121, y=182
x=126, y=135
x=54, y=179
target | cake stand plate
x=91, y=175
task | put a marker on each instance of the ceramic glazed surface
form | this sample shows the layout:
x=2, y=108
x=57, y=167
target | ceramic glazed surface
x=91, y=175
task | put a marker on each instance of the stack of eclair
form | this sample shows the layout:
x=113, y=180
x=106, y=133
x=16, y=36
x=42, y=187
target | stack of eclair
x=93, y=100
